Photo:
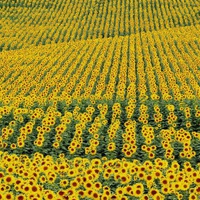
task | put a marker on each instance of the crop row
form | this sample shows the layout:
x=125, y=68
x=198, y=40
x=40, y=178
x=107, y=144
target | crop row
x=25, y=23
x=161, y=65
x=115, y=130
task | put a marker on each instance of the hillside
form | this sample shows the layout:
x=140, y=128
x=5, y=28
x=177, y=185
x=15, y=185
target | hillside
x=99, y=99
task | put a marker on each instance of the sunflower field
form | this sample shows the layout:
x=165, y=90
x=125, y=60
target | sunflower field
x=99, y=99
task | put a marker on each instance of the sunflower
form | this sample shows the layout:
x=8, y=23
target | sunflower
x=124, y=198
x=138, y=189
x=9, y=179
x=88, y=193
x=165, y=190
x=197, y=190
x=13, y=146
x=171, y=176
x=20, y=144
x=96, y=136
x=180, y=196
x=129, y=190
x=61, y=193
x=20, y=197
x=49, y=195
x=175, y=165
x=12, y=123
x=74, y=184
x=188, y=125
x=71, y=150
x=105, y=197
x=141, y=175
x=125, y=179
x=8, y=196
x=151, y=155
x=107, y=193
x=113, y=197
x=51, y=178
x=81, y=193
x=106, y=175
x=72, y=172
x=158, y=197
x=193, y=197
x=120, y=191
x=109, y=170
x=43, y=179
x=1, y=175
x=95, y=162
x=176, y=186
x=56, y=145
x=88, y=185
x=64, y=183
x=26, y=188
x=149, y=179
x=145, y=197
x=185, y=186
x=197, y=181
x=35, y=189
x=111, y=146
x=153, y=192
x=93, y=151
x=95, y=195
x=97, y=186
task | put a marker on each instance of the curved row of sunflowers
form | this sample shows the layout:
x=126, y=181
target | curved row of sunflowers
x=109, y=69
x=31, y=22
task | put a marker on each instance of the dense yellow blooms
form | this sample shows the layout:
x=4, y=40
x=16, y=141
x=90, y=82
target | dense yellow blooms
x=44, y=177
x=99, y=99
